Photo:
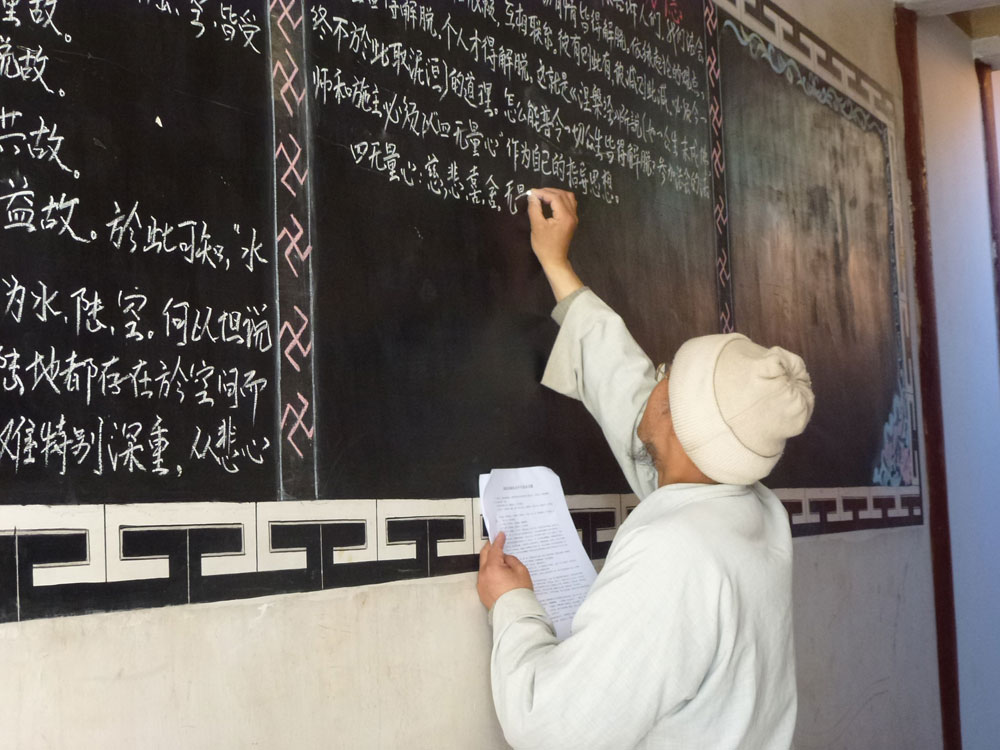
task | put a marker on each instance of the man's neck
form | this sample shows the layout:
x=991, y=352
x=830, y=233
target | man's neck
x=689, y=474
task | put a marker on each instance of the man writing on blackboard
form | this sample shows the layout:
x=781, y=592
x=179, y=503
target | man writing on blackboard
x=685, y=638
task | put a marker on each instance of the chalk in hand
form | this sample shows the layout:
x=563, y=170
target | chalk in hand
x=525, y=194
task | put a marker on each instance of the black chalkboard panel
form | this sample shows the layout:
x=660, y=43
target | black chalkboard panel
x=813, y=259
x=426, y=127
x=136, y=253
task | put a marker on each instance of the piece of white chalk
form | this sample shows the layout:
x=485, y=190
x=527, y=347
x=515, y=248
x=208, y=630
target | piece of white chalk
x=525, y=194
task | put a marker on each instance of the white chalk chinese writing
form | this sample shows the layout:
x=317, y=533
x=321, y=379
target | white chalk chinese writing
x=586, y=93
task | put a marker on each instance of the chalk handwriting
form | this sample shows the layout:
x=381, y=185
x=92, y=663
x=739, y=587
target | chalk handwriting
x=26, y=64
x=105, y=446
x=194, y=382
x=18, y=201
x=186, y=324
x=38, y=12
x=119, y=378
x=130, y=316
x=133, y=231
x=642, y=117
x=240, y=27
x=36, y=139
x=221, y=445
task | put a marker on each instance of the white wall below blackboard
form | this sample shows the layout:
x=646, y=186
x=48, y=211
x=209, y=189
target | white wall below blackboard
x=405, y=665
x=391, y=666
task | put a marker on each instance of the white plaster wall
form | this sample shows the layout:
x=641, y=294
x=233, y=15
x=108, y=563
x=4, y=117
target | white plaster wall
x=405, y=665
x=865, y=642
x=861, y=30
x=970, y=375
x=402, y=665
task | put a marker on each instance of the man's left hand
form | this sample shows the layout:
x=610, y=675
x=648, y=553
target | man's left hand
x=499, y=573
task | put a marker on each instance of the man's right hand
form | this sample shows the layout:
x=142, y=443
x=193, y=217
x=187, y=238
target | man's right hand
x=550, y=238
x=499, y=573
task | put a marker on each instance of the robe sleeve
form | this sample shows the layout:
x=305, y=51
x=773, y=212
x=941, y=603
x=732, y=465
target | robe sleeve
x=649, y=614
x=595, y=360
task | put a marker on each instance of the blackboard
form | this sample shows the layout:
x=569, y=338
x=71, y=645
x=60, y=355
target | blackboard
x=272, y=250
x=812, y=252
x=138, y=332
x=429, y=289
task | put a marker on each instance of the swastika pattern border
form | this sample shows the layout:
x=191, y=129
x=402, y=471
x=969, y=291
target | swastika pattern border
x=293, y=269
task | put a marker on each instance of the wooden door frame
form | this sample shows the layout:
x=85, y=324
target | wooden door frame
x=930, y=381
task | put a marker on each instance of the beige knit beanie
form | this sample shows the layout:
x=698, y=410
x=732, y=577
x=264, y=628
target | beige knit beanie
x=734, y=403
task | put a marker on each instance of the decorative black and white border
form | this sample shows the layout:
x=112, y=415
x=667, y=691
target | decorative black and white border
x=77, y=559
x=778, y=27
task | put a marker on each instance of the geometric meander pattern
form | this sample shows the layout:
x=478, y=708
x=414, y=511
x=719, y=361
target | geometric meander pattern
x=780, y=28
x=76, y=559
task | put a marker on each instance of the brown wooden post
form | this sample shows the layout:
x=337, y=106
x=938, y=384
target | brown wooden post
x=985, y=74
x=930, y=378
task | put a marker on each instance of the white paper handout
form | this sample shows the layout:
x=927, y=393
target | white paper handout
x=529, y=506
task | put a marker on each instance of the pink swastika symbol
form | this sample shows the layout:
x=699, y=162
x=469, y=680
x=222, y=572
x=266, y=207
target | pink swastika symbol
x=726, y=318
x=713, y=66
x=711, y=19
x=717, y=161
x=292, y=161
x=287, y=6
x=721, y=217
x=293, y=243
x=723, y=264
x=716, y=112
x=297, y=96
x=296, y=342
x=299, y=422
